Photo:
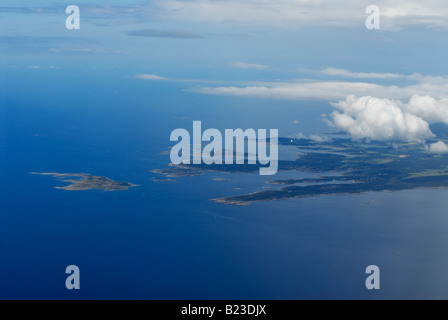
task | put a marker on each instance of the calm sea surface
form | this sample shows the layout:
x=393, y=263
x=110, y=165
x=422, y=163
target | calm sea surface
x=168, y=240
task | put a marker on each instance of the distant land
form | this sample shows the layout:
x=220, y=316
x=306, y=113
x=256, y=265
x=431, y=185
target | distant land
x=84, y=181
x=345, y=166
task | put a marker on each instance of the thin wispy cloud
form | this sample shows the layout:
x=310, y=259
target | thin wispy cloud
x=57, y=9
x=89, y=9
x=152, y=77
x=325, y=90
x=243, y=65
x=36, y=67
x=156, y=33
x=359, y=75
x=56, y=45
x=436, y=87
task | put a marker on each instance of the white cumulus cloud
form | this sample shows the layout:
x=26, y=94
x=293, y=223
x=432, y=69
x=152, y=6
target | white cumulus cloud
x=379, y=119
x=319, y=138
x=428, y=108
x=439, y=147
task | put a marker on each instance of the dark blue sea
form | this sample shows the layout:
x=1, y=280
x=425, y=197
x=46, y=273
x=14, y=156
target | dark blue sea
x=166, y=240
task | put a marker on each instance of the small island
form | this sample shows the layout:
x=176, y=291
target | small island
x=84, y=181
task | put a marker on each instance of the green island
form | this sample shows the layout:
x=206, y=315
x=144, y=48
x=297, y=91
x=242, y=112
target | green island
x=345, y=167
x=83, y=181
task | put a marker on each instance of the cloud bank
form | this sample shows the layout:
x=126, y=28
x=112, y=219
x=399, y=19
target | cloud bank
x=396, y=15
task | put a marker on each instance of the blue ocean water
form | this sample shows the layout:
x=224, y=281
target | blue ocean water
x=168, y=240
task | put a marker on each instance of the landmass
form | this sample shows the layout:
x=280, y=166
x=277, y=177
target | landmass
x=344, y=166
x=84, y=181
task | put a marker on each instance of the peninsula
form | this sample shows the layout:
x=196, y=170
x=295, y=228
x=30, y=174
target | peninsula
x=342, y=166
